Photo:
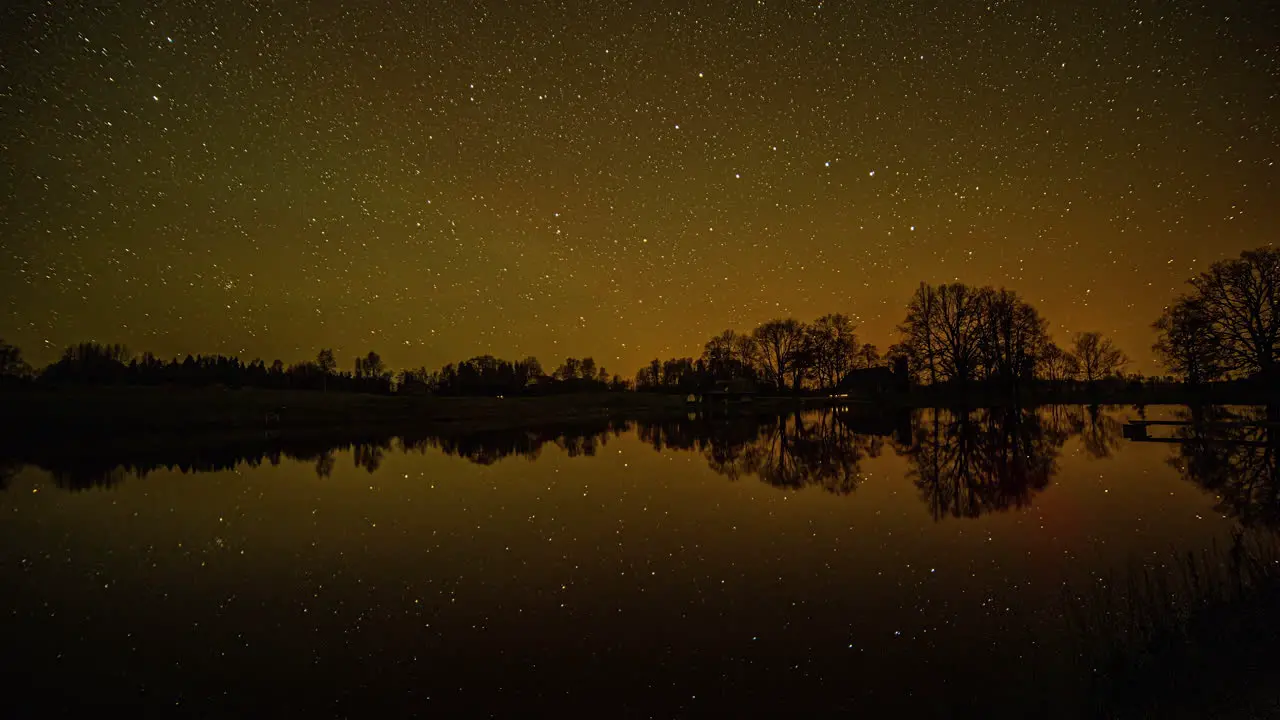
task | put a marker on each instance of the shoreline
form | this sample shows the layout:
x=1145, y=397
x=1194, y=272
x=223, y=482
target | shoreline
x=214, y=413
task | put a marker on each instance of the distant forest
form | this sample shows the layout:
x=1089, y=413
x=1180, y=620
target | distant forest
x=1226, y=327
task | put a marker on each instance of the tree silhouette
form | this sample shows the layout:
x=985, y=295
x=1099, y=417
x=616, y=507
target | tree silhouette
x=1233, y=453
x=1057, y=364
x=833, y=347
x=730, y=356
x=1229, y=323
x=1240, y=300
x=11, y=363
x=528, y=370
x=942, y=331
x=326, y=364
x=868, y=356
x=959, y=334
x=1187, y=342
x=325, y=361
x=370, y=366
x=783, y=351
x=1013, y=337
x=569, y=369
x=90, y=363
x=1097, y=356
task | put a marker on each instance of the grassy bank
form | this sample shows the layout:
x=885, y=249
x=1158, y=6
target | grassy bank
x=1191, y=636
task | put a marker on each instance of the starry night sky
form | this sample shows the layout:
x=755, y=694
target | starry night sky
x=623, y=180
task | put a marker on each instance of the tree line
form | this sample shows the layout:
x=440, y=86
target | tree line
x=488, y=375
x=785, y=355
x=1226, y=327
x=953, y=334
x=113, y=364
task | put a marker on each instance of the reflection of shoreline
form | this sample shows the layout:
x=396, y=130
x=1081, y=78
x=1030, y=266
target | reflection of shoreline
x=968, y=463
x=963, y=463
x=1233, y=453
x=78, y=464
x=821, y=448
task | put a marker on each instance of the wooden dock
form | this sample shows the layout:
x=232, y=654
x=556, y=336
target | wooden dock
x=1139, y=431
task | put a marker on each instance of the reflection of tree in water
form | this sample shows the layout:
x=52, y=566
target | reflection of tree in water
x=486, y=448
x=82, y=478
x=723, y=439
x=369, y=455
x=966, y=463
x=103, y=464
x=817, y=448
x=1238, y=463
x=1101, y=433
x=481, y=448
x=325, y=464
x=812, y=449
x=8, y=471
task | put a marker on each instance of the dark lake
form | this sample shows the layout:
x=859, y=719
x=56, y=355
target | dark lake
x=827, y=562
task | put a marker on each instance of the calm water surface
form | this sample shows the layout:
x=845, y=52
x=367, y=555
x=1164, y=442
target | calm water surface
x=809, y=563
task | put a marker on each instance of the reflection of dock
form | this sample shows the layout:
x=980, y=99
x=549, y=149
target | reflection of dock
x=1139, y=431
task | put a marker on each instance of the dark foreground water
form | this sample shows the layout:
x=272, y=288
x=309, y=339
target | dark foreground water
x=822, y=563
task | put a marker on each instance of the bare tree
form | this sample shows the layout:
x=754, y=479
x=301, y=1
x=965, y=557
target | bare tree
x=746, y=353
x=1097, y=356
x=943, y=331
x=1013, y=336
x=1057, y=364
x=903, y=355
x=868, y=356
x=833, y=347
x=959, y=322
x=782, y=349
x=1187, y=344
x=1241, y=301
x=326, y=363
x=730, y=355
x=920, y=341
